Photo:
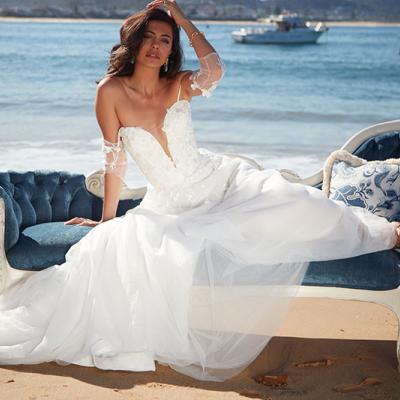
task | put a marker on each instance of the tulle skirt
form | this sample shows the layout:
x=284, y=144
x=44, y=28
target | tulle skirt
x=201, y=290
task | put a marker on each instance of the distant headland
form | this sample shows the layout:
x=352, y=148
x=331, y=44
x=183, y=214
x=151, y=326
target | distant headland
x=346, y=11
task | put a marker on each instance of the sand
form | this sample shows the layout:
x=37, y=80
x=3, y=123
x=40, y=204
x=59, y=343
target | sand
x=358, y=340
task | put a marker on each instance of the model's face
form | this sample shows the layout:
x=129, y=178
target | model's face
x=156, y=45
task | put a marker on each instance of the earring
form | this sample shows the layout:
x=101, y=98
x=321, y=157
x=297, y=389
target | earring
x=133, y=60
x=166, y=66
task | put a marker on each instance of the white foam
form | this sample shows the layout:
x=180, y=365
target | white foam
x=85, y=157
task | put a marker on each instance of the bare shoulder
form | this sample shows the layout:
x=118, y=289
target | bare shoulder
x=183, y=77
x=107, y=96
x=184, y=74
x=109, y=86
x=106, y=99
x=176, y=80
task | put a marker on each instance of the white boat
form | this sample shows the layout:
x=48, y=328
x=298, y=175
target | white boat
x=290, y=28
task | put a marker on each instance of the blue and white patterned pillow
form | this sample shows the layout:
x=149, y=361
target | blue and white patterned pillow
x=374, y=185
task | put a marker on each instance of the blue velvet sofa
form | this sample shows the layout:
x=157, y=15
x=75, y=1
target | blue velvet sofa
x=33, y=208
x=34, y=204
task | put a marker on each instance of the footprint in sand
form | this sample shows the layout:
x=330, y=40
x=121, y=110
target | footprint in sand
x=351, y=387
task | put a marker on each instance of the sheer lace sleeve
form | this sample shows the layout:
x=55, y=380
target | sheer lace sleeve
x=211, y=71
x=114, y=158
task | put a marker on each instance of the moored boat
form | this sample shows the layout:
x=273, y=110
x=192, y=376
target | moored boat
x=290, y=29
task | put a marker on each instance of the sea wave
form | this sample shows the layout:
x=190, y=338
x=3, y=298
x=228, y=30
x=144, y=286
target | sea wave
x=265, y=115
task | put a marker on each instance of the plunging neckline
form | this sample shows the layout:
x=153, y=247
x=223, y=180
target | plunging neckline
x=170, y=158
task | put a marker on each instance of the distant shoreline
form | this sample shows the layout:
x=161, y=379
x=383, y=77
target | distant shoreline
x=210, y=22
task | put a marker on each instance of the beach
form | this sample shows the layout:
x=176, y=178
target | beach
x=283, y=107
x=323, y=347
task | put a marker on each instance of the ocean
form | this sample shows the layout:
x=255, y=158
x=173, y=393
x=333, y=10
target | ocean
x=284, y=106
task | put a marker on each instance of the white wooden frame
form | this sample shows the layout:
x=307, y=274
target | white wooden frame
x=388, y=298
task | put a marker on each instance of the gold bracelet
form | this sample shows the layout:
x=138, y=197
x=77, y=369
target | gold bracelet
x=193, y=35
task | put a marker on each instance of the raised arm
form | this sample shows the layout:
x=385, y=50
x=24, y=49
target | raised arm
x=204, y=80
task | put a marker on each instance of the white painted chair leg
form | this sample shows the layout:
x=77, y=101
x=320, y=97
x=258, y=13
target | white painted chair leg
x=396, y=310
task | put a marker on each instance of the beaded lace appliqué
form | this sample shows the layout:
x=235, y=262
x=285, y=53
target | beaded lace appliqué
x=114, y=158
x=171, y=188
x=211, y=71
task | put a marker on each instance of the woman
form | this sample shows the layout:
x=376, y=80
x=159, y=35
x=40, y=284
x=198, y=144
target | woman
x=201, y=273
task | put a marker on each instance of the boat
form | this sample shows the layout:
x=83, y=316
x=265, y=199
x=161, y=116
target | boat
x=290, y=29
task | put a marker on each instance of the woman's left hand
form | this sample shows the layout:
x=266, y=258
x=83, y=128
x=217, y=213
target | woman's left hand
x=171, y=6
x=82, y=222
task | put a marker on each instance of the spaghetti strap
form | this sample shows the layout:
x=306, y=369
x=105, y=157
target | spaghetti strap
x=179, y=92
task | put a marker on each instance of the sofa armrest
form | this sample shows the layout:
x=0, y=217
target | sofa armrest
x=95, y=185
x=8, y=221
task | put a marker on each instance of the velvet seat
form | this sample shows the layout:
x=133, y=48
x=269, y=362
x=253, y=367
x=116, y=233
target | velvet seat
x=40, y=246
x=374, y=271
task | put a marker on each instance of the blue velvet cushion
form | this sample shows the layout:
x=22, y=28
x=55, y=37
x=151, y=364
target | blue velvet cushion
x=373, y=185
x=43, y=245
x=374, y=271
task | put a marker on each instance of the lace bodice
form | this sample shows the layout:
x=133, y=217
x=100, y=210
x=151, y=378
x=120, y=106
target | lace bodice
x=180, y=181
x=186, y=164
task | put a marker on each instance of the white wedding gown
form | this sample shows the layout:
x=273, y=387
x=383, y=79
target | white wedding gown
x=199, y=276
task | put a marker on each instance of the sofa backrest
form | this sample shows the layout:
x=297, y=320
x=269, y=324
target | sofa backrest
x=40, y=196
x=381, y=147
x=46, y=196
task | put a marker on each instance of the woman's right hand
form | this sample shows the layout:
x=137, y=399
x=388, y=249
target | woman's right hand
x=397, y=233
x=82, y=222
x=170, y=5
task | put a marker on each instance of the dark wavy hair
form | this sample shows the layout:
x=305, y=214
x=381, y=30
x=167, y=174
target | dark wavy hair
x=131, y=37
